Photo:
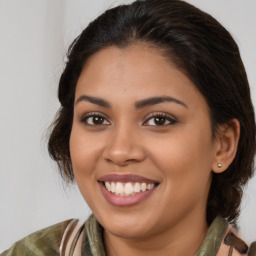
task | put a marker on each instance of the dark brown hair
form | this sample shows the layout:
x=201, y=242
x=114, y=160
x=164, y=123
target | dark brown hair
x=203, y=50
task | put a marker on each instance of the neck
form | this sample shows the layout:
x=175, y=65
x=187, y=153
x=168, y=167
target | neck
x=183, y=239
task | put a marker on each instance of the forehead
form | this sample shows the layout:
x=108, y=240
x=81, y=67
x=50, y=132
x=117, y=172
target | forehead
x=134, y=72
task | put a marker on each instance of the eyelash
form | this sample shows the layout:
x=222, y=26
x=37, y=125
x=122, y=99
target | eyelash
x=86, y=117
x=163, y=116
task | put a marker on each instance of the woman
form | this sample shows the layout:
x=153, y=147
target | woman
x=157, y=128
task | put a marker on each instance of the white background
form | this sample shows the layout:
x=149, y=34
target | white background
x=34, y=36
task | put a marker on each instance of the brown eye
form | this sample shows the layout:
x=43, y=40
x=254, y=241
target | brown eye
x=95, y=119
x=159, y=120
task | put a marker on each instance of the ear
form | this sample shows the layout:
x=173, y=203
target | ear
x=226, y=142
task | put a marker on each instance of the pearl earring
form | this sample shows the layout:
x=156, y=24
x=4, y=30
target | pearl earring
x=219, y=165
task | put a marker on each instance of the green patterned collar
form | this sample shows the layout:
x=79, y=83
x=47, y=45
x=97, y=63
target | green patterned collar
x=93, y=239
x=213, y=238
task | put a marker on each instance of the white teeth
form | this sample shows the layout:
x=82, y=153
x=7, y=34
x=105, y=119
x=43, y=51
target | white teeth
x=119, y=188
x=113, y=187
x=127, y=189
x=143, y=187
x=108, y=186
x=136, y=187
x=150, y=186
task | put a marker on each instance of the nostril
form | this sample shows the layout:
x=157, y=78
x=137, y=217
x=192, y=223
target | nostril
x=108, y=160
x=122, y=152
x=121, y=160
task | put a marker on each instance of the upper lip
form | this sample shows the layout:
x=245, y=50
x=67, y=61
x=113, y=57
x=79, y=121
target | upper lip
x=126, y=178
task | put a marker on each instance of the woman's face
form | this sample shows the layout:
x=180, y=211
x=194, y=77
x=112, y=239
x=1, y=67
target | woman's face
x=141, y=143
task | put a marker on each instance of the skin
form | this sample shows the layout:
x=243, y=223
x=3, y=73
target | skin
x=180, y=152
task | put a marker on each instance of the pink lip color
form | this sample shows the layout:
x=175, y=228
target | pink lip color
x=126, y=178
x=125, y=201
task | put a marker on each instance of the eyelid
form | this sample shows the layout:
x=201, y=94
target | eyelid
x=92, y=114
x=168, y=116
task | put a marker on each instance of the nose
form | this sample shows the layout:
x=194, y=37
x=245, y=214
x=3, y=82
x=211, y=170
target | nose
x=124, y=147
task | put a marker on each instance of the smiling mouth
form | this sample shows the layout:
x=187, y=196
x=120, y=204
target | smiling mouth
x=127, y=189
x=127, y=185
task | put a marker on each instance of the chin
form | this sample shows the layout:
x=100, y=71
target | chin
x=127, y=231
x=130, y=227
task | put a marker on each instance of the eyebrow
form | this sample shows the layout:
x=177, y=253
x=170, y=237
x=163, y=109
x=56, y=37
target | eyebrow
x=138, y=105
x=157, y=100
x=94, y=100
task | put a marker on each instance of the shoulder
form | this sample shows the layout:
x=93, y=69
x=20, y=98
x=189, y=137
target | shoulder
x=232, y=244
x=252, y=249
x=43, y=242
x=223, y=240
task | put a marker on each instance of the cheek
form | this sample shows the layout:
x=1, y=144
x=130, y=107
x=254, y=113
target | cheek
x=186, y=149
x=83, y=157
x=186, y=168
x=185, y=160
x=83, y=152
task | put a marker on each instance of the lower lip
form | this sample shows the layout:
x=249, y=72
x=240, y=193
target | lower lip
x=123, y=201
